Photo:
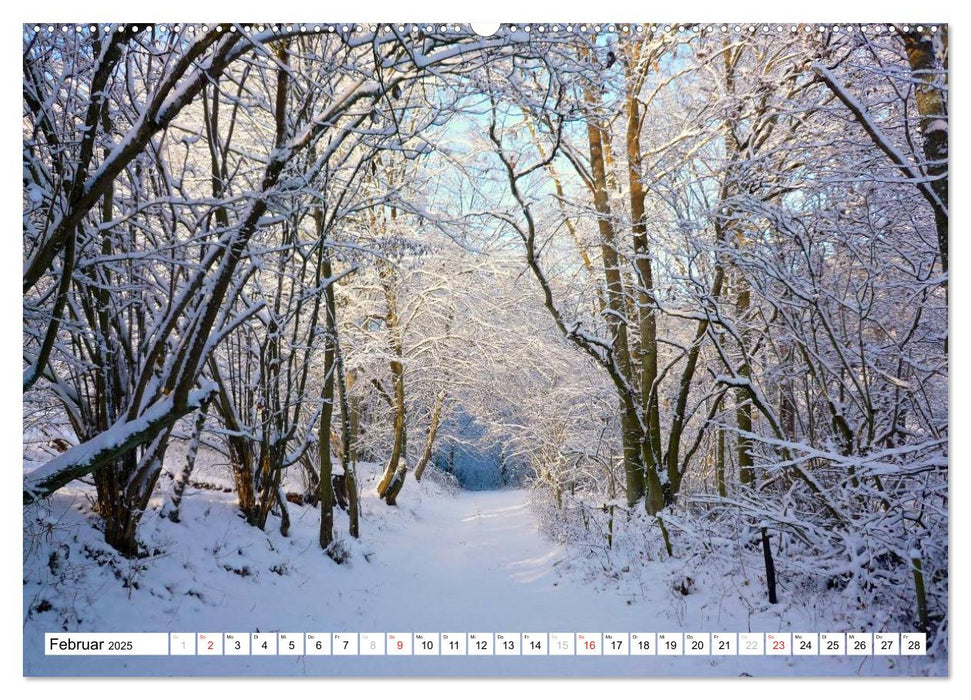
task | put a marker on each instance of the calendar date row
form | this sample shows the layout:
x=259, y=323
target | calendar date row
x=486, y=644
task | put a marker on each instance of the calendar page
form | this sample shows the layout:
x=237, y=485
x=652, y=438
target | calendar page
x=437, y=349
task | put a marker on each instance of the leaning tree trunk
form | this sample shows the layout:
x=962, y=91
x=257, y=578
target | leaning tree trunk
x=432, y=432
x=399, y=430
x=397, y=468
x=398, y=480
x=182, y=478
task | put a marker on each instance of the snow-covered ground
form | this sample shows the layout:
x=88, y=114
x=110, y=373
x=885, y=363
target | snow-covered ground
x=446, y=560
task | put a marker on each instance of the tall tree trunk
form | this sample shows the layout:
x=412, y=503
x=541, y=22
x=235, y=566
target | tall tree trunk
x=631, y=433
x=108, y=480
x=326, y=488
x=124, y=485
x=647, y=353
x=323, y=437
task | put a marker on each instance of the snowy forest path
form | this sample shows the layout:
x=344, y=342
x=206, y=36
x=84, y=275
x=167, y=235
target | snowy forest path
x=479, y=558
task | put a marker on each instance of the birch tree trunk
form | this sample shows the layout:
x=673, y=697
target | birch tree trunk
x=930, y=75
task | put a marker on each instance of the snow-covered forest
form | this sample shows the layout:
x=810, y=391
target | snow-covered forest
x=643, y=324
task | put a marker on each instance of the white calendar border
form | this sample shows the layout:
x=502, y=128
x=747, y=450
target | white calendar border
x=378, y=10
